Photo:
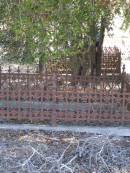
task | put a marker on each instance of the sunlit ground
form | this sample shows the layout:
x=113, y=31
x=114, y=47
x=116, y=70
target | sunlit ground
x=62, y=152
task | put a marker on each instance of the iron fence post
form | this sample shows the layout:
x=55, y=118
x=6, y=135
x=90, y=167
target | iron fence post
x=0, y=77
x=123, y=78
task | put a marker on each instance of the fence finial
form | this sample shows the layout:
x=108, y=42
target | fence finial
x=123, y=68
x=9, y=70
x=37, y=69
x=18, y=69
x=28, y=69
x=94, y=72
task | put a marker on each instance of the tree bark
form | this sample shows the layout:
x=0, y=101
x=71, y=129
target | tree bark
x=41, y=64
x=99, y=48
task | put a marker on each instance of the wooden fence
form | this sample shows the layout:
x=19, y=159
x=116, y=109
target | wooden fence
x=58, y=99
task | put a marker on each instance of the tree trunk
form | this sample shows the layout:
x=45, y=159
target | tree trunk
x=99, y=44
x=92, y=55
x=82, y=64
x=41, y=64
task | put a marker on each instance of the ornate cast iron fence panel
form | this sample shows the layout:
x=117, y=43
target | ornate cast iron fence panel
x=57, y=106
x=61, y=98
x=111, y=61
x=55, y=81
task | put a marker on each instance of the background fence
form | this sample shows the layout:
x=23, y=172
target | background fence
x=111, y=61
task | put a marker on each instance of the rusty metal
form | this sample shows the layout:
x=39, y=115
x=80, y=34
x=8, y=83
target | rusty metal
x=111, y=61
x=43, y=97
x=55, y=81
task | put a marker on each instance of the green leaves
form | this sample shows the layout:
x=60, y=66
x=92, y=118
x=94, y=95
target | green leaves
x=53, y=28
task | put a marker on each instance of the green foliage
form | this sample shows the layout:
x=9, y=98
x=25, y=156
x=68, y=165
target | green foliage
x=42, y=29
x=126, y=13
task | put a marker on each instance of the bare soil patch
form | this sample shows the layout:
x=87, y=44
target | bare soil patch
x=62, y=152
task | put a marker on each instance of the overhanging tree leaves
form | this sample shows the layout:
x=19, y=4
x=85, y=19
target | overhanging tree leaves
x=42, y=29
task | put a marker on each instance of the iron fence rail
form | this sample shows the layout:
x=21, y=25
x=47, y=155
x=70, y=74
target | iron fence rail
x=56, y=106
x=61, y=98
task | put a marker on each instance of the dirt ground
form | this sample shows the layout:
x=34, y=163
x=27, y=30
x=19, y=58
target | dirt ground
x=25, y=151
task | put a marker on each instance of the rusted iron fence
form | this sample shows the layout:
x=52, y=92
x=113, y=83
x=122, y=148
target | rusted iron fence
x=63, y=98
x=111, y=61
